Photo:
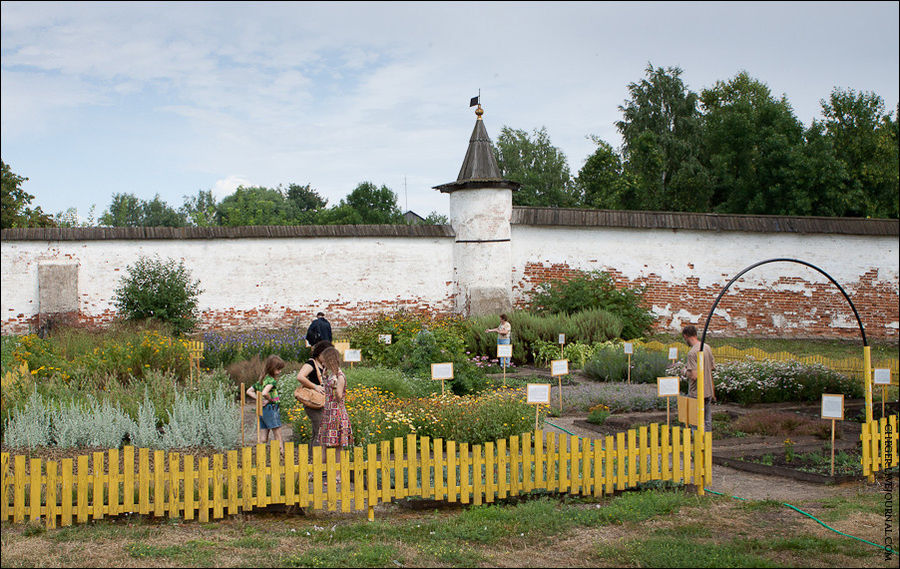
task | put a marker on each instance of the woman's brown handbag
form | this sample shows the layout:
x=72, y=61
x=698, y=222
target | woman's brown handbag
x=309, y=397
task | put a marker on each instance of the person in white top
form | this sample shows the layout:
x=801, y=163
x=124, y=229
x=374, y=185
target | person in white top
x=503, y=332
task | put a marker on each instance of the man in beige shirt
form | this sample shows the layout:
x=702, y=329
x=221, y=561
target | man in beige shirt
x=689, y=333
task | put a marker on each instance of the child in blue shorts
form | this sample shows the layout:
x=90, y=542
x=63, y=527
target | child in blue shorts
x=267, y=389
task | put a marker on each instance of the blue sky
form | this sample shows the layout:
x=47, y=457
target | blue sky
x=172, y=98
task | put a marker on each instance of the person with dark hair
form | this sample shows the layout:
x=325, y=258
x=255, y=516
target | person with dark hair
x=689, y=333
x=319, y=330
x=266, y=388
x=503, y=331
x=311, y=376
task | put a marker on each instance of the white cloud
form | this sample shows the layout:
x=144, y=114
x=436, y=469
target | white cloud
x=227, y=186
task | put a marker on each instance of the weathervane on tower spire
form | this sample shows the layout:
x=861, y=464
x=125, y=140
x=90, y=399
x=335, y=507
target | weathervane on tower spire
x=477, y=101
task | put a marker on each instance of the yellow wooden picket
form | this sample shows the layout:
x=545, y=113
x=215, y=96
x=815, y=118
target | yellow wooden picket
x=879, y=445
x=122, y=481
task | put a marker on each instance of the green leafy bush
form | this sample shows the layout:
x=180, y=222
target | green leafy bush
x=160, y=290
x=595, y=290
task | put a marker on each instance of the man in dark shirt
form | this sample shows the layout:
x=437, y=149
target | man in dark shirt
x=319, y=330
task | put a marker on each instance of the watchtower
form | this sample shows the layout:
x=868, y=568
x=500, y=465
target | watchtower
x=480, y=214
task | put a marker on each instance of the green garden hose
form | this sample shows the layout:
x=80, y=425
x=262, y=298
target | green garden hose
x=795, y=508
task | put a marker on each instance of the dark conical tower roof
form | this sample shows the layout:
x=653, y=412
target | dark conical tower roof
x=479, y=168
x=479, y=163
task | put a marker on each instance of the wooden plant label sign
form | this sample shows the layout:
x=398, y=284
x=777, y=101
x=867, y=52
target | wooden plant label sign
x=673, y=353
x=538, y=393
x=833, y=406
x=384, y=338
x=442, y=371
x=559, y=367
x=629, y=348
x=352, y=355
x=562, y=339
x=504, y=350
x=667, y=386
x=882, y=376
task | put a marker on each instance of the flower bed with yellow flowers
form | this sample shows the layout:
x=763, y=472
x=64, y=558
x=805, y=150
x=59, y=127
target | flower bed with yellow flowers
x=378, y=415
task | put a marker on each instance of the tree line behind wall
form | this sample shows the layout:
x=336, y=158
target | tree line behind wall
x=731, y=148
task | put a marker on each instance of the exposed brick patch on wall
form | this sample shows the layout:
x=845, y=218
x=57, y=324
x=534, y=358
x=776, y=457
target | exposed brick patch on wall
x=789, y=306
x=339, y=313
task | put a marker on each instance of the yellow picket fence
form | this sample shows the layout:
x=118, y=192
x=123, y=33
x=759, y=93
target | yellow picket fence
x=852, y=367
x=879, y=445
x=254, y=477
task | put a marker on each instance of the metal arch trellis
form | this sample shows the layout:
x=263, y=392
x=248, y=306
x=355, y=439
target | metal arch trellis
x=753, y=266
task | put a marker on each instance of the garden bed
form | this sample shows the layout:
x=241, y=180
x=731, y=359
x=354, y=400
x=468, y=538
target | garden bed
x=780, y=467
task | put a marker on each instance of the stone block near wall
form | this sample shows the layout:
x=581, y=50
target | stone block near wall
x=57, y=295
x=487, y=300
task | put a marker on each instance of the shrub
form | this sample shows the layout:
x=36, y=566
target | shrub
x=610, y=363
x=595, y=290
x=598, y=414
x=532, y=333
x=31, y=427
x=159, y=290
x=403, y=327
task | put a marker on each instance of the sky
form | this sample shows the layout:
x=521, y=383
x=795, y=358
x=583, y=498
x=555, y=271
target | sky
x=174, y=98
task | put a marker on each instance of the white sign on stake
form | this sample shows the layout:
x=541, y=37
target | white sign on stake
x=538, y=393
x=504, y=350
x=882, y=376
x=384, y=338
x=352, y=355
x=562, y=339
x=673, y=353
x=559, y=367
x=833, y=406
x=667, y=386
x=442, y=371
x=629, y=348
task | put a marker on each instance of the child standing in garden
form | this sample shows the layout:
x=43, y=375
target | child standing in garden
x=266, y=388
x=335, y=431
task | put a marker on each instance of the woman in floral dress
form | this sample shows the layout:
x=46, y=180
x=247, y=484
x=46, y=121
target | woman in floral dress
x=335, y=431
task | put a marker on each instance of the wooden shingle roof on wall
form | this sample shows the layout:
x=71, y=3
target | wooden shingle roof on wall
x=250, y=232
x=566, y=217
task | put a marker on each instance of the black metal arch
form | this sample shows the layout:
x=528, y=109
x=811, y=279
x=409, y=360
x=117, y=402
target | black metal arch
x=731, y=282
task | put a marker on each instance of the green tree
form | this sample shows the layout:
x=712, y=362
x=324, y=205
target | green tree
x=865, y=142
x=754, y=147
x=253, y=206
x=125, y=210
x=602, y=182
x=540, y=168
x=157, y=213
x=200, y=210
x=305, y=203
x=366, y=204
x=159, y=290
x=660, y=128
x=69, y=218
x=14, y=202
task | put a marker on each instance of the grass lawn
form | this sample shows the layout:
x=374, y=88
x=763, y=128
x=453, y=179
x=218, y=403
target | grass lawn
x=651, y=528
